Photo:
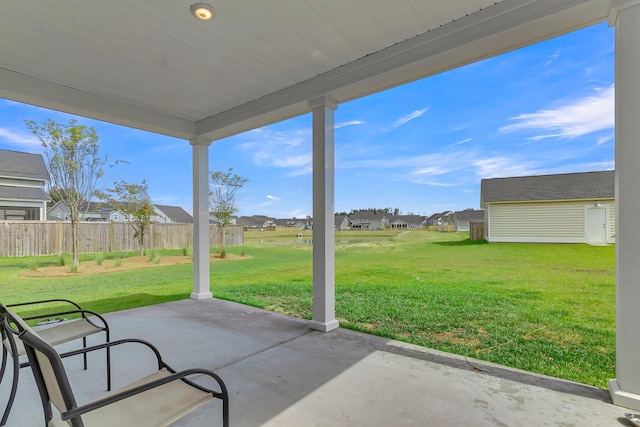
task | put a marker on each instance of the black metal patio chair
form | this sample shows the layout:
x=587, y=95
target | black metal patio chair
x=158, y=399
x=55, y=332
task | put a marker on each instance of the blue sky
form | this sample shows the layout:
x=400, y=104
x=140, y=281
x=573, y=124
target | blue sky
x=422, y=147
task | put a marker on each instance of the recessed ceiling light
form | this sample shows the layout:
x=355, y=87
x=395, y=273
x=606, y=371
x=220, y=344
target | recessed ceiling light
x=202, y=11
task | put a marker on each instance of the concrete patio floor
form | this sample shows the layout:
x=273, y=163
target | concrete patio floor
x=281, y=373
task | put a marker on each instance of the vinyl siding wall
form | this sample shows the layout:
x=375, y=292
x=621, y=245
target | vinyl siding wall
x=550, y=222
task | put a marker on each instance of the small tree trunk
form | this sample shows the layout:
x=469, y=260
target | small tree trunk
x=74, y=244
x=223, y=251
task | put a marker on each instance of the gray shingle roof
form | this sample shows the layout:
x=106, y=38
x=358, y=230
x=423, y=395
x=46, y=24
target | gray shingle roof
x=569, y=186
x=176, y=213
x=469, y=215
x=16, y=164
x=23, y=193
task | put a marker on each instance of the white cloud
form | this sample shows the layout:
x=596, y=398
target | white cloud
x=351, y=123
x=282, y=149
x=584, y=116
x=431, y=170
x=270, y=197
x=293, y=161
x=464, y=141
x=403, y=120
x=21, y=140
x=496, y=167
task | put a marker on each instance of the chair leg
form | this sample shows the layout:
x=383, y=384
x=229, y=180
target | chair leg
x=225, y=411
x=108, y=368
x=84, y=345
x=14, y=389
x=4, y=361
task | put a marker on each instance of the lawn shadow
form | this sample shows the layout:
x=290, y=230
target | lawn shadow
x=125, y=302
x=106, y=305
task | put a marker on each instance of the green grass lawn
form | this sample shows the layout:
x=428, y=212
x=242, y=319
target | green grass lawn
x=539, y=307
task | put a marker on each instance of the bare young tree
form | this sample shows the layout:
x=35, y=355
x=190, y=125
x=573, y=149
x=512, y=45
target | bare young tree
x=222, y=192
x=133, y=201
x=72, y=155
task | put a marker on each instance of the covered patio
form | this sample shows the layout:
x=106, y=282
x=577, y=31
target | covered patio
x=281, y=373
x=151, y=65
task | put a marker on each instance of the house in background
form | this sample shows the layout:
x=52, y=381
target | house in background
x=342, y=222
x=440, y=219
x=22, y=182
x=102, y=212
x=462, y=219
x=368, y=220
x=404, y=221
x=171, y=214
x=89, y=211
x=256, y=222
x=563, y=208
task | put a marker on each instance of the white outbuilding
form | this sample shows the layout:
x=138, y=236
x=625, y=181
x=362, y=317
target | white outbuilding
x=562, y=208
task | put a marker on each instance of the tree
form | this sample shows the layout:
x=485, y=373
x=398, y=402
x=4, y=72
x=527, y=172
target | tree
x=222, y=192
x=133, y=201
x=56, y=195
x=72, y=156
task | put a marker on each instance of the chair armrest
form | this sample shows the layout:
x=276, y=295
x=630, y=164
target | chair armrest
x=72, y=413
x=65, y=313
x=110, y=344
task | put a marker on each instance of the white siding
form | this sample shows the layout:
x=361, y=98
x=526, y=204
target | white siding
x=552, y=222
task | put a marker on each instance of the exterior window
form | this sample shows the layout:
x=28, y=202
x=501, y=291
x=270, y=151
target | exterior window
x=19, y=214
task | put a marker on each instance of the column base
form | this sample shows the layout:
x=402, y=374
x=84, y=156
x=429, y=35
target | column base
x=324, y=326
x=204, y=295
x=623, y=398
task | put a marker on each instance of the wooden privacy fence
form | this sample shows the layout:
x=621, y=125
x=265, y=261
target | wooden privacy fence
x=476, y=230
x=25, y=238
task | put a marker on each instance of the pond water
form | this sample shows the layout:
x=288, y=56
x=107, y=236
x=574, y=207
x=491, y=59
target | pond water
x=349, y=241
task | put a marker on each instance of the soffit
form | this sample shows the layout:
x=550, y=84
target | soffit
x=149, y=64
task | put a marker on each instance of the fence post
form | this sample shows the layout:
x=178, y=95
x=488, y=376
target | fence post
x=60, y=231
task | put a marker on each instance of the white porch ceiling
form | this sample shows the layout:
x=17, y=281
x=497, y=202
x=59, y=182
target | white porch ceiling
x=150, y=64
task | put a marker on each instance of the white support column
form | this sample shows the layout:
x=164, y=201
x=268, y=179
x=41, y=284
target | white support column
x=200, y=150
x=625, y=389
x=324, y=299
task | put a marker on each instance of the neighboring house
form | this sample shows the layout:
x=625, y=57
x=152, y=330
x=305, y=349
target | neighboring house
x=88, y=211
x=256, y=222
x=563, y=208
x=22, y=182
x=462, y=219
x=286, y=223
x=342, y=222
x=171, y=214
x=368, y=221
x=59, y=211
x=439, y=219
x=404, y=221
x=295, y=223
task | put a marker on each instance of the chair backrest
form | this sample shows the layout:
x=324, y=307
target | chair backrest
x=46, y=364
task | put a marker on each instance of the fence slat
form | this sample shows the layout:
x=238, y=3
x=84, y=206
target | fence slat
x=26, y=238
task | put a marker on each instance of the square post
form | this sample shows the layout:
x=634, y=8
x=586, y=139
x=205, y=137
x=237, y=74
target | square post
x=625, y=15
x=324, y=300
x=201, y=285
